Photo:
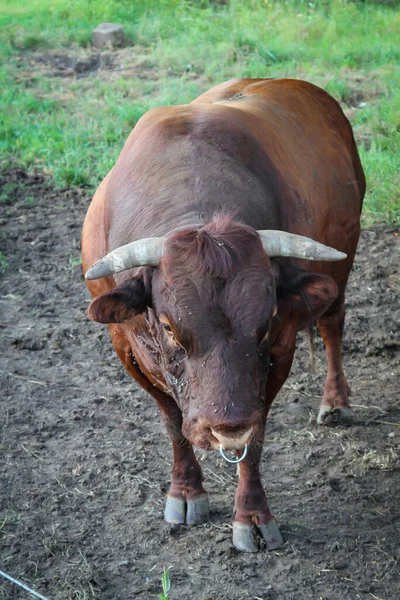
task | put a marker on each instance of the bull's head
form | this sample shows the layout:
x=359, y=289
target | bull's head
x=214, y=293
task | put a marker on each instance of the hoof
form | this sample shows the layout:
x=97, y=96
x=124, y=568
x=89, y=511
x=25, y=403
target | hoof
x=244, y=538
x=175, y=510
x=341, y=415
x=190, y=512
x=197, y=510
x=271, y=534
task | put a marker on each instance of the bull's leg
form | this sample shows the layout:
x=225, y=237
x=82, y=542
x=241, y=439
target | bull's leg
x=187, y=501
x=335, y=403
x=251, y=507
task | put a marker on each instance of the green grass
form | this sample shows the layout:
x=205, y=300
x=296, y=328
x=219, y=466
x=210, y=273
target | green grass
x=74, y=128
x=165, y=584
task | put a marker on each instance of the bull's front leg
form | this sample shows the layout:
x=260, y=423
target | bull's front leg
x=251, y=507
x=187, y=501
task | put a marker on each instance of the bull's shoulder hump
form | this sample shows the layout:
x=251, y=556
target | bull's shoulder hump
x=291, y=96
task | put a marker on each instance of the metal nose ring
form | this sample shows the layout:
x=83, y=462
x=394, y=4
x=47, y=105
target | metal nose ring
x=237, y=460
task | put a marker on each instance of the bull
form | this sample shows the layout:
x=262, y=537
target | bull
x=225, y=227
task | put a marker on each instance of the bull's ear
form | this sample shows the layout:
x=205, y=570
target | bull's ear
x=122, y=303
x=305, y=295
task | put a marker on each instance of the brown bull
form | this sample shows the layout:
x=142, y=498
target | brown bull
x=208, y=220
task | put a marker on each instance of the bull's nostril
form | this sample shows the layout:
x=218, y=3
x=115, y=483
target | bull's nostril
x=229, y=442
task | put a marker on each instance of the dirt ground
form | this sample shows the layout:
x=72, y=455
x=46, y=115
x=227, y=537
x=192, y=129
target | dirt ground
x=85, y=462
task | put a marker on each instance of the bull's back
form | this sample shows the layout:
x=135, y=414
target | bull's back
x=307, y=149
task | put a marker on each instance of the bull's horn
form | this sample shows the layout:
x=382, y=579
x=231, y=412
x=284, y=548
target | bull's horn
x=146, y=252
x=282, y=243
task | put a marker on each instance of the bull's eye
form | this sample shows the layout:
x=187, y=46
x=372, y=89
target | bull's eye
x=167, y=328
x=165, y=324
x=172, y=341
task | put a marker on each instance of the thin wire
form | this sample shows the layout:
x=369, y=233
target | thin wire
x=22, y=585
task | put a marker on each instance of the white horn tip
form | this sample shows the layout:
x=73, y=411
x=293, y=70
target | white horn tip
x=330, y=254
x=98, y=270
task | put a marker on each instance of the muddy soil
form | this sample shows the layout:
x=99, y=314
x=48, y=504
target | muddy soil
x=85, y=462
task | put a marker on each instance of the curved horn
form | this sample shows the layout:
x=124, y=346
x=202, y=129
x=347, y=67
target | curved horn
x=282, y=243
x=141, y=253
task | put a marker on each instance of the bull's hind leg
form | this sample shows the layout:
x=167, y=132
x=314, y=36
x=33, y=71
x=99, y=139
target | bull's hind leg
x=335, y=406
x=187, y=501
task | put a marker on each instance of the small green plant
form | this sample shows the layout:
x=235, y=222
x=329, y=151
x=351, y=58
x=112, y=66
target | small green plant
x=166, y=585
x=74, y=261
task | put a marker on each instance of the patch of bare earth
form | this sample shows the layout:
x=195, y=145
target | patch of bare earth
x=85, y=462
x=134, y=62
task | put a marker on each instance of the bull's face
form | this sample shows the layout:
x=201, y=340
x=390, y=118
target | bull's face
x=214, y=297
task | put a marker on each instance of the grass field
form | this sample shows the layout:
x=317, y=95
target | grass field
x=72, y=124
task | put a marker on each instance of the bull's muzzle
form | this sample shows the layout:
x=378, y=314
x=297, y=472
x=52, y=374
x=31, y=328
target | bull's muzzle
x=233, y=443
